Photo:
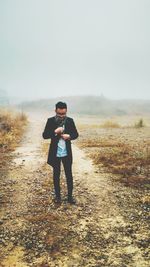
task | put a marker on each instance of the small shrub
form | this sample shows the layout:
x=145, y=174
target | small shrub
x=139, y=124
x=11, y=129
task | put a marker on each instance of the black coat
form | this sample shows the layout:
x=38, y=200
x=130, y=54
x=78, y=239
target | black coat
x=50, y=126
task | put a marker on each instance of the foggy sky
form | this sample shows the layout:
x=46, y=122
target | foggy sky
x=52, y=48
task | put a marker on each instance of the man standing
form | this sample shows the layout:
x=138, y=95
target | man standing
x=61, y=130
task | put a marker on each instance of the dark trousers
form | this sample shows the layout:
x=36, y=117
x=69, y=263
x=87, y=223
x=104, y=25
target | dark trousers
x=68, y=173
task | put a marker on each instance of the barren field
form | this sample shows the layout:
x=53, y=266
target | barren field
x=109, y=224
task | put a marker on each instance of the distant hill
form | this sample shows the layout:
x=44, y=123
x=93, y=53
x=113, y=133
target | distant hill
x=91, y=105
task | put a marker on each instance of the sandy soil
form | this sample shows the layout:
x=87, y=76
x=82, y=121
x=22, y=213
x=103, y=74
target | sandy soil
x=105, y=228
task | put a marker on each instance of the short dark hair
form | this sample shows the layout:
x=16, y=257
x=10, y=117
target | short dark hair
x=61, y=105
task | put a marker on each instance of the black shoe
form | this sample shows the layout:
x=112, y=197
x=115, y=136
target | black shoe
x=57, y=199
x=71, y=200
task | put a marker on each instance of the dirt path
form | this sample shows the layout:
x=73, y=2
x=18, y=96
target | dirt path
x=110, y=232
x=99, y=231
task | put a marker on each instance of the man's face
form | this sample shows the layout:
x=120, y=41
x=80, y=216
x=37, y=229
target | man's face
x=61, y=112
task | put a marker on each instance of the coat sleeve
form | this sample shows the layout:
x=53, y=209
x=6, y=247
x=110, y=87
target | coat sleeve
x=73, y=131
x=48, y=131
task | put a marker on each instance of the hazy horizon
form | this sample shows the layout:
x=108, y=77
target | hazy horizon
x=64, y=48
x=20, y=99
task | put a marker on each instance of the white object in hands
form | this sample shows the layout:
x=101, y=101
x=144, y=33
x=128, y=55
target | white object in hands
x=59, y=130
x=61, y=149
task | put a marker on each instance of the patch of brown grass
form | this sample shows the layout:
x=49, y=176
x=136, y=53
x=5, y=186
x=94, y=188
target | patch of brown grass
x=110, y=124
x=41, y=217
x=131, y=161
x=102, y=142
x=125, y=160
x=12, y=126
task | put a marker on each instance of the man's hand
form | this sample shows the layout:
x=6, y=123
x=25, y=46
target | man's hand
x=59, y=130
x=65, y=136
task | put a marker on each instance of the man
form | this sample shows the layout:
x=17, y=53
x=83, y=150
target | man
x=61, y=130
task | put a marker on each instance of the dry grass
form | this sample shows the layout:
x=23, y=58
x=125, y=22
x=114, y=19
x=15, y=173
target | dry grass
x=110, y=124
x=124, y=151
x=113, y=122
x=140, y=123
x=12, y=126
x=131, y=162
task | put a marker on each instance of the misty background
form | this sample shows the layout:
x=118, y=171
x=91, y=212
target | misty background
x=64, y=49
